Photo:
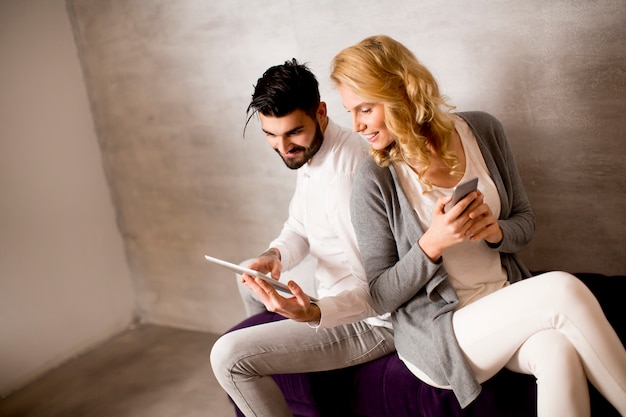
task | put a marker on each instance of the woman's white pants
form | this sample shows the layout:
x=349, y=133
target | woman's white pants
x=550, y=326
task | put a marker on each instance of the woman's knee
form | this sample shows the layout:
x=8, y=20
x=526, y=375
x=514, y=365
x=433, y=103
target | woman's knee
x=550, y=354
x=567, y=288
x=560, y=352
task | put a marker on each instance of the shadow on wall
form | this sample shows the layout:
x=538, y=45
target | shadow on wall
x=562, y=108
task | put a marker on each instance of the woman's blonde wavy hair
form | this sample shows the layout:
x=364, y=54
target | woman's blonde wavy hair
x=382, y=70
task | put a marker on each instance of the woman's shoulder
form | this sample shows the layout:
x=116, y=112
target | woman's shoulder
x=370, y=169
x=487, y=129
x=369, y=164
x=479, y=118
x=371, y=177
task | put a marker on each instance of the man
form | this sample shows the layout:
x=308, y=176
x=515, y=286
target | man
x=341, y=328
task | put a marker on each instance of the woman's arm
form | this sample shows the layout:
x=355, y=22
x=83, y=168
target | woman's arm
x=395, y=266
x=517, y=219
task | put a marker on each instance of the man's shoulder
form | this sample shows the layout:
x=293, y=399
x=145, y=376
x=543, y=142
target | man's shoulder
x=342, y=136
x=346, y=147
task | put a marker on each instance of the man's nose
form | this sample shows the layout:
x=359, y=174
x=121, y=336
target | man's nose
x=282, y=144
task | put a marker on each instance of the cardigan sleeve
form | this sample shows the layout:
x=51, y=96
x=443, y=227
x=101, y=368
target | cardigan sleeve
x=517, y=219
x=395, y=266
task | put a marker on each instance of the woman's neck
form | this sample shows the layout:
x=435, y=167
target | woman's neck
x=438, y=172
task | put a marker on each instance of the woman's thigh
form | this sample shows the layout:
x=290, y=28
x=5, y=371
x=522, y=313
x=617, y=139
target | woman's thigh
x=492, y=329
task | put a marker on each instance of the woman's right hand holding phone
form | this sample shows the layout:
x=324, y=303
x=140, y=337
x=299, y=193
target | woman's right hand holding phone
x=450, y=228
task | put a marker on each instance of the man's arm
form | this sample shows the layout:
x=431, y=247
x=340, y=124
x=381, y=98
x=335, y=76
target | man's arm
x=292, y=245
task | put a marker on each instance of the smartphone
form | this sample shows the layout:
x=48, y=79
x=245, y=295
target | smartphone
x=461, y=190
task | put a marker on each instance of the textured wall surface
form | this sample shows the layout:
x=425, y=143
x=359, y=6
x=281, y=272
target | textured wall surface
x=65, y=285
x=169, y=83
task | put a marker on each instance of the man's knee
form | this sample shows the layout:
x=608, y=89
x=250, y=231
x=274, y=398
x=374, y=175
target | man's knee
x=221, y=356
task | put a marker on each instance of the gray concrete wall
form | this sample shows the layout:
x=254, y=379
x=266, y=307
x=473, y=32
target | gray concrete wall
x=169, y=83
x=65, y=284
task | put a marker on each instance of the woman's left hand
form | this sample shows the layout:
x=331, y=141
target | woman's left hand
x=484, y=225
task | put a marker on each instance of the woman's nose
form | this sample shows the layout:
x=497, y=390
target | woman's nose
x=357, y=125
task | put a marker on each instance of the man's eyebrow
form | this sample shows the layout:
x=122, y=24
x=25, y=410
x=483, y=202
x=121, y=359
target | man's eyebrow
x=289, y=132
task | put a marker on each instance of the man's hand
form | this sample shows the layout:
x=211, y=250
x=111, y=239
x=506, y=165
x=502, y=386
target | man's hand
x=268, y=262
x=298, y=307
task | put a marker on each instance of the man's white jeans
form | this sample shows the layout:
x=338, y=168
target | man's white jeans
x=244, y=360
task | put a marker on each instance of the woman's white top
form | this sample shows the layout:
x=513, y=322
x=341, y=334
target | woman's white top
x=474, y=269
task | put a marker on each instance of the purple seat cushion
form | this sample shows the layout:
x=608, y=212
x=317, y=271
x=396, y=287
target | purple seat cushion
x=385, y=387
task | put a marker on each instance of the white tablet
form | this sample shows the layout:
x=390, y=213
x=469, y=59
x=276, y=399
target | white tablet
x=279, y=286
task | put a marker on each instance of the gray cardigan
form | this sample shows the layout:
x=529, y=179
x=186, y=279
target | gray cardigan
x=406, y=283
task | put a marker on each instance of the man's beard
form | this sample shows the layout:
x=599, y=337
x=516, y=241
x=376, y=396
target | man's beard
x=307, y=153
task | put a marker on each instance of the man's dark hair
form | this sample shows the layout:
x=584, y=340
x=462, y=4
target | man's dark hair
x=283, y=89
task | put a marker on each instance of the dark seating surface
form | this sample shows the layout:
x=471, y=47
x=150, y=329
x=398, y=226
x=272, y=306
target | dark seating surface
x=386, y=388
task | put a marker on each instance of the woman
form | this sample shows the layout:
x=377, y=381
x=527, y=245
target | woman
x=462, y=308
